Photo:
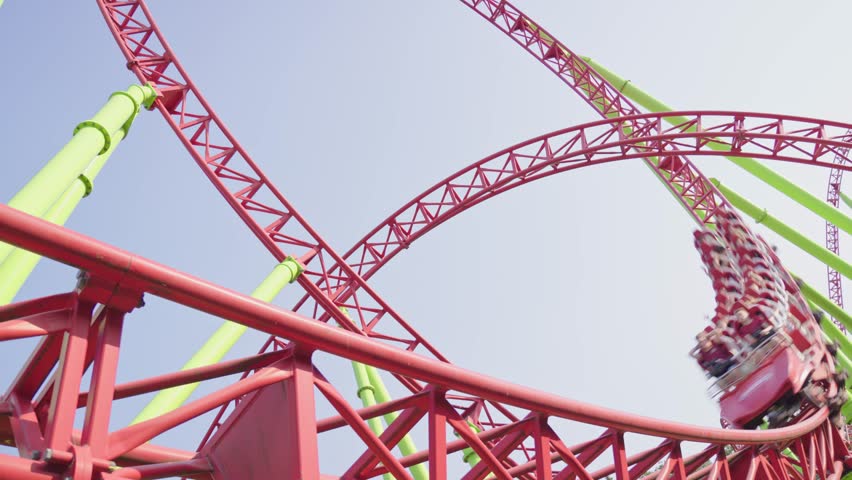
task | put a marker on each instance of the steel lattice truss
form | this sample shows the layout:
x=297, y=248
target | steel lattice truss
x=832, y=236
x=509, y=427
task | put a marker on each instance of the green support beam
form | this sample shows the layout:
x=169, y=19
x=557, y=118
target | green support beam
x=826, y=304
x=601, y=105
x=833, y=332
x=406, y=445
x=91, y=138
x=372, y=390
x=469, y=456
x=367, y=394
x=821, y=301
x=759, y=170
x=20, y=263
x=220, y=342
x=846, y=200
x=796, y=193
x=761, y=216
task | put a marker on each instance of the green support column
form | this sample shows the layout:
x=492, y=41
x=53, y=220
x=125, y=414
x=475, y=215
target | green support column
x=372, y=390
x=826, y=304
x=406, y=445
x=367, y=394
x=91, y=138
x=832, y=332
x=846, y=200
x=220, y=342
x=469, y=456
x=759, y=170
x=20, y=263
x=796, y=193
x=601, y=105
x=761, y=216
x=817, y=299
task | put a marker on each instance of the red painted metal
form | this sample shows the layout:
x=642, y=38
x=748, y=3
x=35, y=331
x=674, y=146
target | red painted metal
x=757, y=135
x=607, y=100
x=88, y=336
x=249, y=192
x=129, y=272
x=244, y=186
x=832, y=236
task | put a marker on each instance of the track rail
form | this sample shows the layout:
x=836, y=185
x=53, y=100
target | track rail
x=264, y=209
x=816, y=443
x=235, y=175
x=382, y=245
x=607, y=100
x=751, y=135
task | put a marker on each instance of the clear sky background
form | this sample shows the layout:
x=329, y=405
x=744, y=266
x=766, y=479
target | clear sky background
x=585, y=284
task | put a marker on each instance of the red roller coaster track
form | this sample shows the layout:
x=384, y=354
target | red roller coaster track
x=280, y=384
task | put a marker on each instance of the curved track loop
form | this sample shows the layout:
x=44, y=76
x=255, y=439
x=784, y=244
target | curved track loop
x=607, y=100
x=266, y=211
x=563, y=151
x=243, y=185
x=752, y=135
x=819, y=448
x=701, y=199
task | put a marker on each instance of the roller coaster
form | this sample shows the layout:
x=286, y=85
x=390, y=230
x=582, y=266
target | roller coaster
x=775, y=351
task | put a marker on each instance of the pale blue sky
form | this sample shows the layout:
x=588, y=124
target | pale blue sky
x=352, y=108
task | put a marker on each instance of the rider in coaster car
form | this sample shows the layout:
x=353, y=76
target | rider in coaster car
x=712, y=355
x=754, y=324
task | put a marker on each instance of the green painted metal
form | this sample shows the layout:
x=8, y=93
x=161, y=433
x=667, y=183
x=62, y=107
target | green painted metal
x=846, y=199
x=406, y=445
x=601, y=105
x=759, y=170
x=367, y=394
x=91, y=138
x=761, y=216
x=470, y=456
x=818, y=300
x=826, y=304
x=632, y=92
x=834, y=333
x=220, y=342
x=796, y=193
x=372, y=390
x=20, y=263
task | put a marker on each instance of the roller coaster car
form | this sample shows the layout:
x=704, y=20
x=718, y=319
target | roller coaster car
x=767, y=382
x=771, y=372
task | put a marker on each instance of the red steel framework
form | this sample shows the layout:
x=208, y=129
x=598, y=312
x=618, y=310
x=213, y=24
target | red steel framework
x=832, y=236
x=82, y=329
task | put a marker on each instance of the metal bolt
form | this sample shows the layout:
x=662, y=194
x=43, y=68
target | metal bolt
x=48, y=454
x=35, y=455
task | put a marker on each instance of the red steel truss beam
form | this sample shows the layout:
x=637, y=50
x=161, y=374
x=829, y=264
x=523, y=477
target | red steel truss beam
x=225, y=162
x=701, y=201
x=154, y=384
x=266, y=211
x=127, y=269
x=607, y=100
x=243, y=185
x=552, y=153
x=832, y=236
x=772, y=137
